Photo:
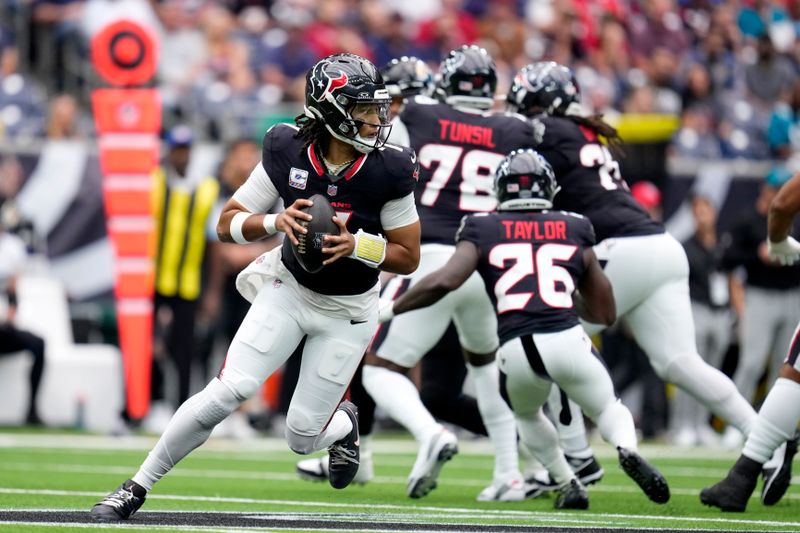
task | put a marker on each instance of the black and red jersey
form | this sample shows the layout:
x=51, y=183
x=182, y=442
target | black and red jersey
x=531, y=262
x=357, y=196
x=590, y=180
x=459, y=151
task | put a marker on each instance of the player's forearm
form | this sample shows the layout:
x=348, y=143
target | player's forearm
x=400, y=259
x=427, y=291
x=237, y=225
x=783, y=209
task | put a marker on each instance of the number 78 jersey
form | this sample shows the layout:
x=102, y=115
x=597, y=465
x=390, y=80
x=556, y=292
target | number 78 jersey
x=459, y=151
x=530, y=262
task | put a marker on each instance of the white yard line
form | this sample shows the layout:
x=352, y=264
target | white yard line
x=465, y=512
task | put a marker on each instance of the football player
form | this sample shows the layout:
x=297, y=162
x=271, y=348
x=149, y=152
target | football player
x=459, y=144
x=646, y=266
x=442, y=369
x=337, y=150
x=531, y=260
x=779, y=414
x=405, y=77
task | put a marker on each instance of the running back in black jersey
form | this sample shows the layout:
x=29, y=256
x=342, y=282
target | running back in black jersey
x=590, y=180
x=458, y=153
x=530, y=262
x=357, y=196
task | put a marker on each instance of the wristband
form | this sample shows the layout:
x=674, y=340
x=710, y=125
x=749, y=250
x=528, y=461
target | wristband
x=237, y=223
x=369, y=249
x=269, y=223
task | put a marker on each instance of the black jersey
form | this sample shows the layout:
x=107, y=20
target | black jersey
x=530, y=262
x=357, y=196
x=590, y=180
x=458, y=152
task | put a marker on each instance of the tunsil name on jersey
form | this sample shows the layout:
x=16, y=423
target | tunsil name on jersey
x=528, y=229
x=459, y=132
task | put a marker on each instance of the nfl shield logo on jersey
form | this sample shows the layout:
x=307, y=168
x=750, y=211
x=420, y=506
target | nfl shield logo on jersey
x=298, y=178
x=332, y=189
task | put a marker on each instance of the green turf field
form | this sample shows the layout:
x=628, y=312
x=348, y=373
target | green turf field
x=251, y=486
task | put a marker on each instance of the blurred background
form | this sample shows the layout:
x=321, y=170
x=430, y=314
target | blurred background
x=705, y=93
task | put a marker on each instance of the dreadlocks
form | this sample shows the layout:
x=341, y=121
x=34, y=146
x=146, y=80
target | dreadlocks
x=311, y=132
x=602, y=129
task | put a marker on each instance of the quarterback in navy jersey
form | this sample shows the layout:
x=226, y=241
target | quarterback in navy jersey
x=358, y=194
x=459, y=144
x=338, y=150
x=646, y=266
x=532, y=260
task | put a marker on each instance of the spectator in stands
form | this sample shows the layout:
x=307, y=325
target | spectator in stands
x=183, y=204
x=64, y=120
x=713, y=320
x=183, y=54
x=12, y=339
x=771, y=304
x=56, y=26
x=770, y=76
x=783, y=133
x=21, y=100
x=659, y=25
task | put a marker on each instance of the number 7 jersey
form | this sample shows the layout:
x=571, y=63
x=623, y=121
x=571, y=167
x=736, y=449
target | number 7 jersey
x=530, y=262
x=459, y=151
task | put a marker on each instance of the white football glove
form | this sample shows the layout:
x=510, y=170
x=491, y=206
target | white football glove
x=385, y=311
x=785, y=252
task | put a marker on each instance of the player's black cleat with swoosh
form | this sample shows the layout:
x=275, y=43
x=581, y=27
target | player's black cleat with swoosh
x=343, y=455
x=120, y=504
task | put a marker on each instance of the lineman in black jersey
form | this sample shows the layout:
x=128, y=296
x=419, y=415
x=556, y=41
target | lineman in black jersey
x=531, y=260
x=459, y=145
x=646, y=266
x=338, y=151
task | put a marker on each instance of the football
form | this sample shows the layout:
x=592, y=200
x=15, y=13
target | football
x=308, y=251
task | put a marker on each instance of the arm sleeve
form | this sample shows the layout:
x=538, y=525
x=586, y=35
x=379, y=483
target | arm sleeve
x=258, y=194
x=399, y=213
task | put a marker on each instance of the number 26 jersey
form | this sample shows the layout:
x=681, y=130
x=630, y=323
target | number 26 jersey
x=530, y=262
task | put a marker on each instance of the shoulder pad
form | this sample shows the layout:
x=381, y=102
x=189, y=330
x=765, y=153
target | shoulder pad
x=280, y=136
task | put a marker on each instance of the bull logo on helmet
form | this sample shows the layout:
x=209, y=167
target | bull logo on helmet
x=333, y=84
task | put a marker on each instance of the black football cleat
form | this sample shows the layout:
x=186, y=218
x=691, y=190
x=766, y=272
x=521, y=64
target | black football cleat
x=573, y=495
x=731, y=494
x=120, y=504
x=644, y=474
x=777, y=480
x=343, y=455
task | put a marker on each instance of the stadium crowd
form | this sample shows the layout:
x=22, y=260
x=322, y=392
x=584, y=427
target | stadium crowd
x=727, y=68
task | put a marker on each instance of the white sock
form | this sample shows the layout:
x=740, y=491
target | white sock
x=713, y=389
x=339, y=426
x=572, y=436
x=365, y=444
x=190, y=426
x=539, y=435
x=776, y=421
x=398, y=396
x=616, y=426
x=498, y=419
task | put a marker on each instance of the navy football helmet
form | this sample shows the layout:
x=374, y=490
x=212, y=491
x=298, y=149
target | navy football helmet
x=545, y=87
x=407, y=76
x=340, y=84
x=467, y=78
x=525, y=180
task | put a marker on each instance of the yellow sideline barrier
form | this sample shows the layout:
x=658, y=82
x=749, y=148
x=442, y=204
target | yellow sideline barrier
x=645, y=128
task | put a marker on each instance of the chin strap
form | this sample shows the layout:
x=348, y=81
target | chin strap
x=369, y=249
